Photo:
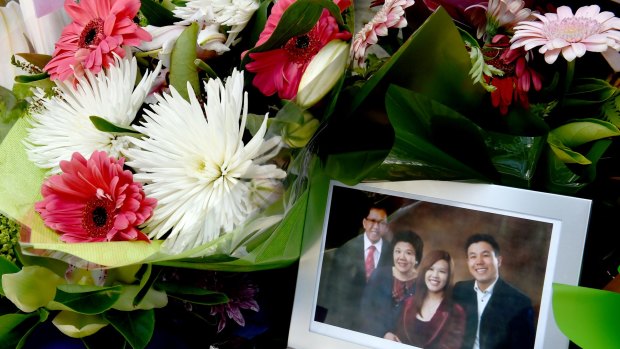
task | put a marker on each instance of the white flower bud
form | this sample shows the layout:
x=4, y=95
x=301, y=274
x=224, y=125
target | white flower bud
x=322, y=73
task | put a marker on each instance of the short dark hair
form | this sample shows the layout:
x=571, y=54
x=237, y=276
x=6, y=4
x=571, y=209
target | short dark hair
x=483, y=238
x=413, y=238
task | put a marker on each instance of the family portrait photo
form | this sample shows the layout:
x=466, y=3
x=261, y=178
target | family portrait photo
x=431, y=275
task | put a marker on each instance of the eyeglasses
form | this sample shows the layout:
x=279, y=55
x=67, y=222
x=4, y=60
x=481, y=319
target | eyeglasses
x=374, y=221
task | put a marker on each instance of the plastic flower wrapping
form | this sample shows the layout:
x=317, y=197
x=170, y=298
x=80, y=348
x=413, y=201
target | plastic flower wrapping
x=146, y=140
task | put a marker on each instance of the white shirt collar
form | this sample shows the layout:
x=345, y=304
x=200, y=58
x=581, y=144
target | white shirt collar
x=367, y=243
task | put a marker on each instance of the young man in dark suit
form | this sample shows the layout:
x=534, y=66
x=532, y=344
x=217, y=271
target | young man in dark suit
x=352, y=266
x=499, y=316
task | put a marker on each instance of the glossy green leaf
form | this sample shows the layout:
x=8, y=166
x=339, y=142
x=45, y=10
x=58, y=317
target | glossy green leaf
x=129, y=301
x=432, y=141
x=588, y=317
x=104, y=125
x=583, y=131
x=516, y=158
x=15, y=327
x=257, y=24
x=31, y=78
x=156, y=14
x=31, y=288
x=77, y=325
x=560, y=179
x=432, y=61
x=298, y=19
x=182, y=67
x=192, y=294
x=6, y=267
x=588, y=91
x=564, y=153
x=85, y=299
x=136, y=326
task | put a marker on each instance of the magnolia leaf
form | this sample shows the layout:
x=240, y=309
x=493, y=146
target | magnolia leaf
x=560, y=178
x=85, y=299
x=14, y=328
x=151, y=299
x=297, y=136
x=587, y=316
x=77, y=325
x=156, y=14
x=183, y=71
x=515, y=157
x=136, y=326
x=258, y=21
x=31, y=288
x=36, y=59
x=104, y=125
x=7, y=267
x=583, y=131
x=564, y=153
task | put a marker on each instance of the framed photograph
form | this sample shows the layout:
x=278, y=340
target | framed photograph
x=350, y=297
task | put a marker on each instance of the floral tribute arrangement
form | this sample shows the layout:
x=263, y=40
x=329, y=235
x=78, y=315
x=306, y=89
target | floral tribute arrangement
x=145, y=139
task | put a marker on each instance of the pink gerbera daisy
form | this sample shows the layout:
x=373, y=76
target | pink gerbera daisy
x=391, y=15
x=280, y=70
x=94, y=200
x=572, y=35
x=98, y=30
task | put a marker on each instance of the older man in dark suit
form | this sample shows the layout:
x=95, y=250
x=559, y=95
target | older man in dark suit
x=499, y=316
x=352, y=266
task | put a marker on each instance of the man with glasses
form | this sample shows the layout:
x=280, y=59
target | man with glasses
x=352, y=266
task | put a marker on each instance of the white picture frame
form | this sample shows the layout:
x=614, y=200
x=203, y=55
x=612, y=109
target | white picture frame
x=564, y=219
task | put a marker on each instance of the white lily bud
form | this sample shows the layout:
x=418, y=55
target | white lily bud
x=322, y=73
x=12, y=40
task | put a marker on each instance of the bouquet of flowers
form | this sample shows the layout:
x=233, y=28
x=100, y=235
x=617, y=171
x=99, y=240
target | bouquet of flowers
x=143, y=139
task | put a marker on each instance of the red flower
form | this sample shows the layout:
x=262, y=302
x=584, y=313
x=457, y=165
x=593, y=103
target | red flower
x=98, y=31
x=518, y=76
x=280, y=70
x=94, y=200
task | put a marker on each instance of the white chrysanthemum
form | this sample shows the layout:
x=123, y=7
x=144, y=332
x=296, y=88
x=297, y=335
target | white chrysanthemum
x=234, y=14
x=63, y=125
x=588, y=29
x=196, y=165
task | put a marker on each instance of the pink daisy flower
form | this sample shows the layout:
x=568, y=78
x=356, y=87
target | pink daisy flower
x=280, y=70
x=571, y=35
x=391, y=15
x=94, y=200
x=98, y=31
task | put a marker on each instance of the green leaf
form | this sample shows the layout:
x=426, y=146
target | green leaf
x=151, y=299
x=588, y=317
x=192, y=294
x=259, y=20
x=104, y=125
x=432, y=141
x=583, y=131
x=432, y=61
x=77, y=325
x=298, y=19
x=146, y=281
x=31, y=288
x=14, y=328
x=515, y=157
x=31, y=78
x=85, y=299
x=136, y=326
x=6, y=267
x=183, y=70
x=156, y=14
x=38, y=60
x=588, y=91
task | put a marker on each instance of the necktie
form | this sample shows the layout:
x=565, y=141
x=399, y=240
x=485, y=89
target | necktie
x=370, y=261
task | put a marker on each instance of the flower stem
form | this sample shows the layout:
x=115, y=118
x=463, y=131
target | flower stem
x=568, y=79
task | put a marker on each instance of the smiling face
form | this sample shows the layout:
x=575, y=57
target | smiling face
x=483, y=263
x=374, y=224
x=404, y=257
x=436, y=277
